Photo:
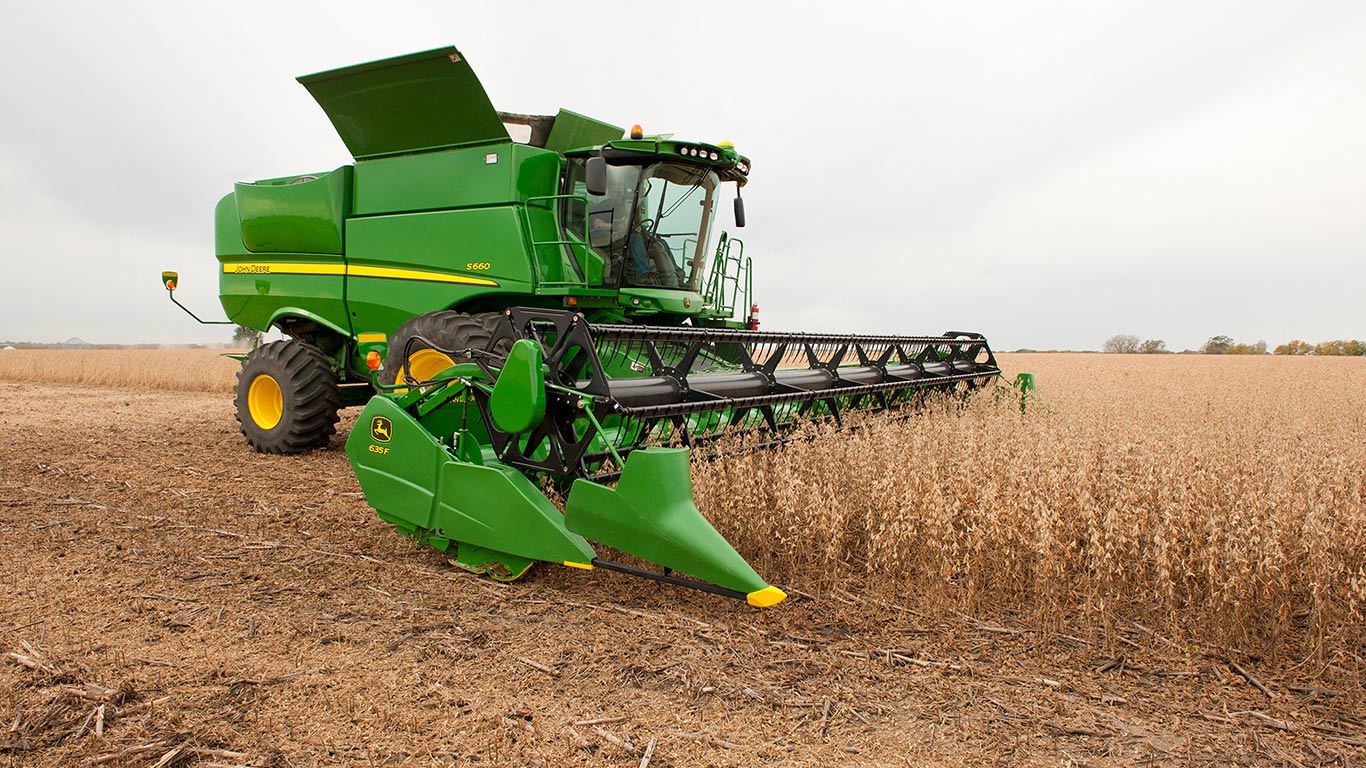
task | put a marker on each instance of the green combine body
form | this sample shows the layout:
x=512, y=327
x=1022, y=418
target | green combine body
x=513, y=314
x=442, y=210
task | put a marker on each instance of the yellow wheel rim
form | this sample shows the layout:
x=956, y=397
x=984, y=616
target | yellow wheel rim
x=265, y=402
x=424, y=364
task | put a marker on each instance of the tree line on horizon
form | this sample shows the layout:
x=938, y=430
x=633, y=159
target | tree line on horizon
x=1124, y=343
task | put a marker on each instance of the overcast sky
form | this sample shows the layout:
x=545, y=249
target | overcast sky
x=1047, y=173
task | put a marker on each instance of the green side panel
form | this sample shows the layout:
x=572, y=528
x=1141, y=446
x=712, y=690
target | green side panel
x=254, y=300
x=460, y=178
x=255, y=287
x=409, y=103
x=411, y=478
x=498, y=508
x=398, y=475
x=518, y=400
x=575, y=131
x=651, y=300
x=293, y=216
x=491, y=175
x=227, y=228
x=436, y=251
x=651, y=514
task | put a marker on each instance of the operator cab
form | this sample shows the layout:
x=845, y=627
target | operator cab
x=650, y=228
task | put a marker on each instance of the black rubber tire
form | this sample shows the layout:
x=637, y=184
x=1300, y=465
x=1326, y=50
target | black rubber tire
x=309, y=398
x=447, y=329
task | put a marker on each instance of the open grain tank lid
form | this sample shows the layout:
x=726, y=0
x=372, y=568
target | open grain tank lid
x=422, y=101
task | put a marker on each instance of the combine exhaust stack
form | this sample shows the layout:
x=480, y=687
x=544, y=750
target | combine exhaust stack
x=448, y=460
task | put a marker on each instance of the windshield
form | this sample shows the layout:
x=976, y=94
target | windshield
x=651, y=226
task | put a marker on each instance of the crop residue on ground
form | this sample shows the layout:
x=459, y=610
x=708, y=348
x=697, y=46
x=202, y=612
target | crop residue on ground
x=1159, y=563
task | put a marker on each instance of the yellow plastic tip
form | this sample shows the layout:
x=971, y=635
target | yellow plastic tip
x=766, y=597
x=584, y=566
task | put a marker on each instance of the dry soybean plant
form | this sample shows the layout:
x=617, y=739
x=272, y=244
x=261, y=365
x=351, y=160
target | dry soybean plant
x=199, y=370
x=1223, y=500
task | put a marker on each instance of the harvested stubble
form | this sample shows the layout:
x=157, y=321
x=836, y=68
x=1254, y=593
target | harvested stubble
x=229, y=608
x=192, y=370
x=1221, y=499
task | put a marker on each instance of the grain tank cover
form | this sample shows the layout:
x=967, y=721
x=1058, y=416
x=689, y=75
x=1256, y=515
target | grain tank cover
x=422, y=101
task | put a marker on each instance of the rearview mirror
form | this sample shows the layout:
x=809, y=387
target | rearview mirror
x=595, y=176
x=739, y=212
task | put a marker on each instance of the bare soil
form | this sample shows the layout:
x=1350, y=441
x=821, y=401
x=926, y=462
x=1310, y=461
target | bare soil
x=171, y=598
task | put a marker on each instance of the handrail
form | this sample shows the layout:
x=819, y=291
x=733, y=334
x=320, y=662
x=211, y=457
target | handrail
x=728, y=272
x=574, y=257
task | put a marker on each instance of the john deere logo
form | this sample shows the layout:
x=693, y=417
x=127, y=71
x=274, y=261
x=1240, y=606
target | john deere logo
x=381, y=429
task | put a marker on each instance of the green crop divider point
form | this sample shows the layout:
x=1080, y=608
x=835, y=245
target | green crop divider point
x=651, y=514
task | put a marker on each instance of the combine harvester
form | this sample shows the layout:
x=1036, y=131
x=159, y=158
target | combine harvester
x=520, y=314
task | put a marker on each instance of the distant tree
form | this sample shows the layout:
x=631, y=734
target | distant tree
x=1153, y=347
x=1247, y=349
x=1338, y=347
x=1334, y=348
x=1217, y=345
x=244, y=335
x=1122, y=343
x=1295, y=347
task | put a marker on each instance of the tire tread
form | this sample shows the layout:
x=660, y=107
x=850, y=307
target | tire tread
x=312, y=397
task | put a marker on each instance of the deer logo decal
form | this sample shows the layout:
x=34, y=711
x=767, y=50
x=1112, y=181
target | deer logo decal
x=381, y=429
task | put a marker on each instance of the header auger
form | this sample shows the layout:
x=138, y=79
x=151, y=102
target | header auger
x=552, y=308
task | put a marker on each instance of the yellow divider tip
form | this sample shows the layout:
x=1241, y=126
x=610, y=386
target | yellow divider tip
x=766, y=597
x=585, y=566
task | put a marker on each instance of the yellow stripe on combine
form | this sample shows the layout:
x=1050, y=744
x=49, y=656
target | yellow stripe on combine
x=415, y=274
x=371, y=338
x=386, y=273
x=278, y=268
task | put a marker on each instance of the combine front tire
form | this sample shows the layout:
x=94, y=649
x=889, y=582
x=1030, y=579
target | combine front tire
x=287, y=398
x=449, y=330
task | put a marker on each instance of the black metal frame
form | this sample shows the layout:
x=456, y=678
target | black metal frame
x=668, y=578
x=766, y=381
